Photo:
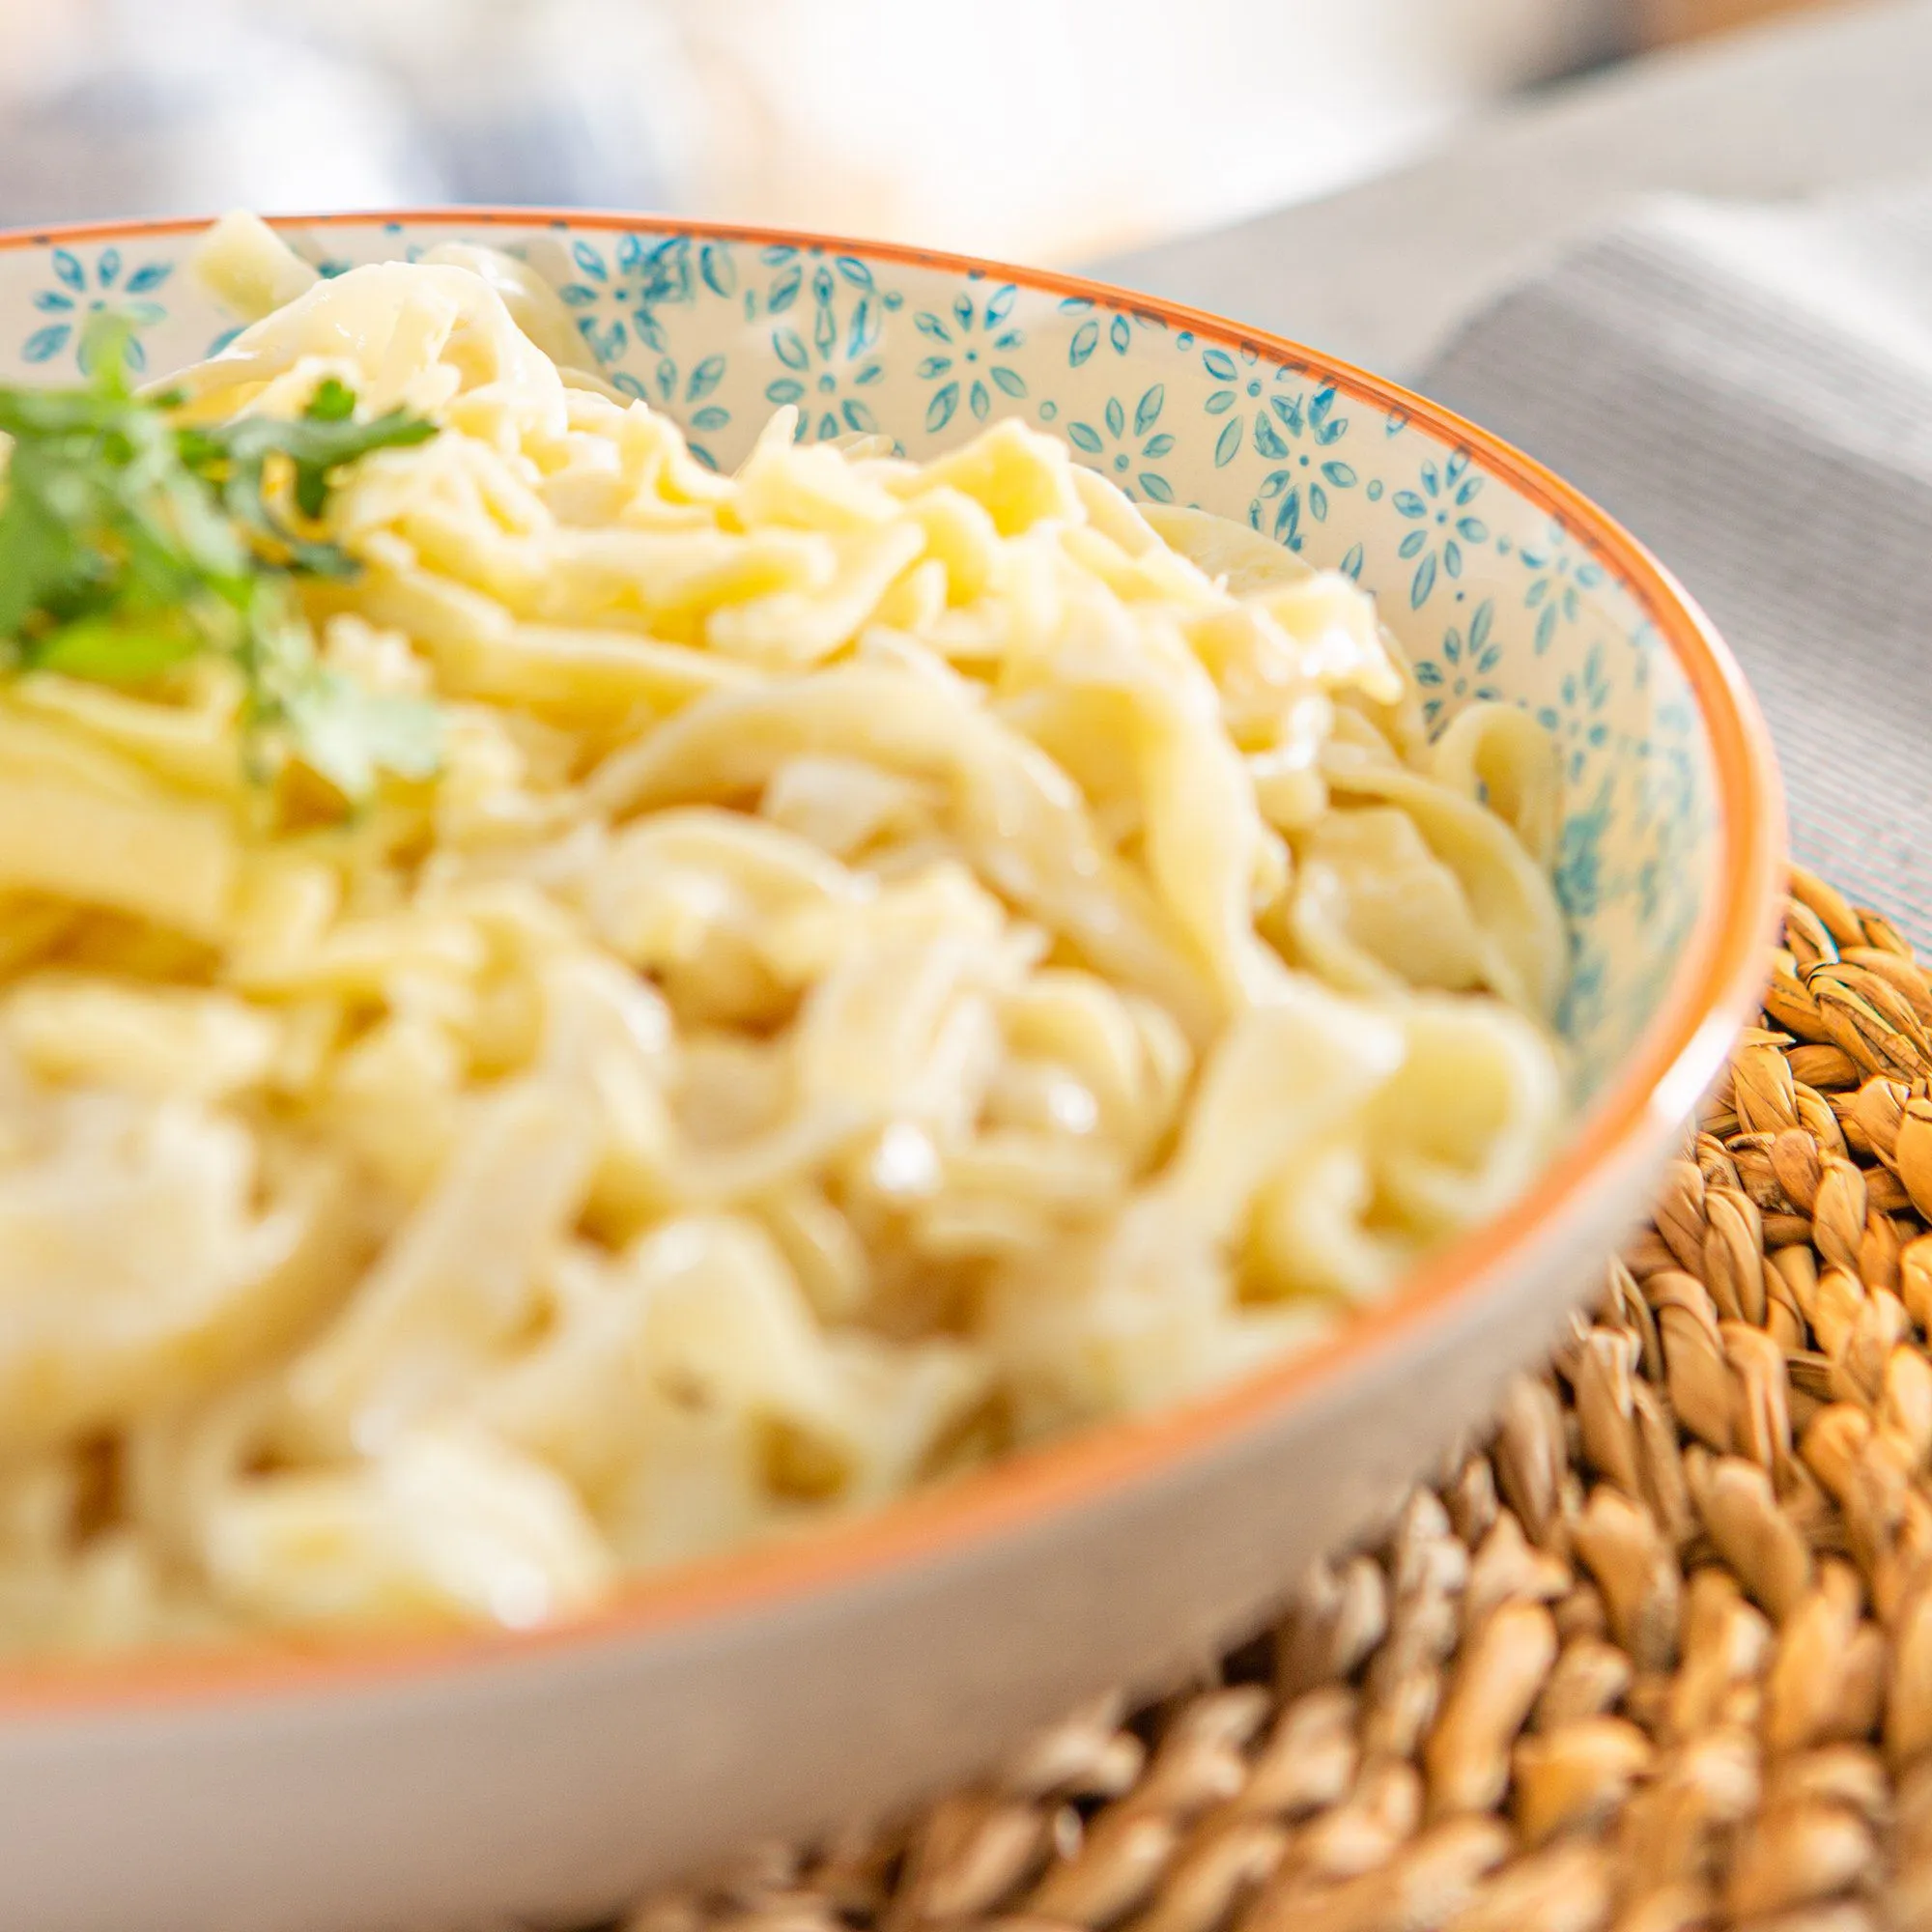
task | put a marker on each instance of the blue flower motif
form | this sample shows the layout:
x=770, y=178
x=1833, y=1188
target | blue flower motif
x=1289, y=496
x=826, y=325
x=1121, y=446
x=1585, y=1002
x=1466, y=664
x=1667, y=791
x=1300, y=414
x=618, y=301
x=682, y=394
x=82, y=293
x=1578, y=725
x=1579, y=856
x=1443, y=522
x=1115, y=330
x=1649, y=879
x=970, y=336
x=1557, y=584
x=789, y=265
x=617, y=298
x=1644, y=647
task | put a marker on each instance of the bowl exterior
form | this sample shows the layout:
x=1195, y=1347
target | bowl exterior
x=547, y=1780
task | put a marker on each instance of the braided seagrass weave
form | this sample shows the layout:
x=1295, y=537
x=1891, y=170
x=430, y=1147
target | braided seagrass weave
x=1657, y=1654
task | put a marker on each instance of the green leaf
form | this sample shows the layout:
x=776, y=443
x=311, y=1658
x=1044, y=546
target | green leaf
x=311, y=492
x=112, y=652
x=130, y=543
x=324, y=439
x=44, y=413
x=39, y=557
x=334, y=401
x=319, y=442
x=107, y=351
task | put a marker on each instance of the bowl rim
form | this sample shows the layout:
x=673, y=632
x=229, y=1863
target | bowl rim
x=1712, y=994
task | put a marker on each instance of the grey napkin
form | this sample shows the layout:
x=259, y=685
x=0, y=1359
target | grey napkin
x=1749, y=388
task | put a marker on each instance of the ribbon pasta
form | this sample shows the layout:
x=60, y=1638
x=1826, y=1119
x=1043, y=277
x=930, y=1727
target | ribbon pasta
x=898, y=959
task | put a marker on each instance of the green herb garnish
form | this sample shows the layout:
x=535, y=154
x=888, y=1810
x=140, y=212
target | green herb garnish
x=130, y=543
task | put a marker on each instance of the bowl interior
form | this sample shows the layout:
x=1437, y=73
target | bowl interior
x=1495, y=593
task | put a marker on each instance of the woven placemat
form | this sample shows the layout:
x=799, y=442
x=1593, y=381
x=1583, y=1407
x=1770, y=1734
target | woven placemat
x=1657, y=1655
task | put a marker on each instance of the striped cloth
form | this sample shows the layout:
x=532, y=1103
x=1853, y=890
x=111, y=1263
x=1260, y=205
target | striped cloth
x=1750, y=389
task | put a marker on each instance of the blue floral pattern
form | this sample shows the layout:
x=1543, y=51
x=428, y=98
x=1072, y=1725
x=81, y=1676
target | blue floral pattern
x=1560, y=581
x=826, y=321
x=620, y=289
x=80, y=290
x=1127, y=441
x=972, y=356
x=1095, y=328
x=1289, y=418
x=1577, y=721
x=1465, y=670
x=1444, y=524
x=1491, y=598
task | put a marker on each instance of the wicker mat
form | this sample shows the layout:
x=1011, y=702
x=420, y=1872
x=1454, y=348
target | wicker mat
x=1657, y=1654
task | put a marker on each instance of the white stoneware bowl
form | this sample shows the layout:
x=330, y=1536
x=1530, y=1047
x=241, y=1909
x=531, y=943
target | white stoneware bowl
x=476, y=1780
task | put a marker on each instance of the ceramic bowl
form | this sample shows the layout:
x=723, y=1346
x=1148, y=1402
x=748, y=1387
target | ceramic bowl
x=547, y=1776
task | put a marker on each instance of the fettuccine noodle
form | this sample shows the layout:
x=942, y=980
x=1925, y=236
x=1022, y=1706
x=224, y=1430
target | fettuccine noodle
x=898, y=960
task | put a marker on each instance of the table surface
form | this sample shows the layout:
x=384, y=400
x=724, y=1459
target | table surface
x=1378, y=273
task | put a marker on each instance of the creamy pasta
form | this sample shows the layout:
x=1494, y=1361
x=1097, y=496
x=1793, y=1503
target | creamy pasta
x=893, y=961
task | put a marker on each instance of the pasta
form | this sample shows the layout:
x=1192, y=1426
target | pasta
x=894, y=961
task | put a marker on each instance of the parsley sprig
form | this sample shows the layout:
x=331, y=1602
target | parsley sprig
x=131, y=542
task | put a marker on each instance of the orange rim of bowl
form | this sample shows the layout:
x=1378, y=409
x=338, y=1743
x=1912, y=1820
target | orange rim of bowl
x=1681, y=1052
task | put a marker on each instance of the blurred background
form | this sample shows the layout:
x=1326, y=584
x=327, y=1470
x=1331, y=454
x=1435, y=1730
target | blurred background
x=1119, y=123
